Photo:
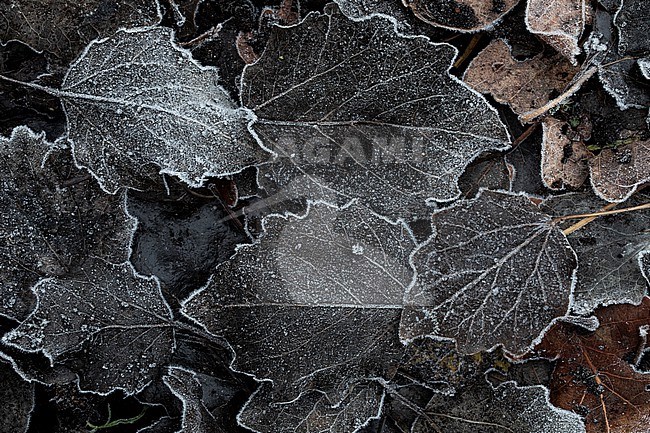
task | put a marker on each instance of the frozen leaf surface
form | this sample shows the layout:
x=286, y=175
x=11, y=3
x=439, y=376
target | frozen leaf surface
x=594, y=373
x=53, y=217
x=315, y=302
x=617, y=173
x=75, y=318
x=354, y=110
x=609, y=251
x=64, y=28
x=564, y=161
x=495, y=271
x=633, y=23
x=462, y=15
x=506, y=408
x=17, y=398
x=136, y=100
x=524, y=85
x=311, y=412
x=559, y=22
x=196, y=417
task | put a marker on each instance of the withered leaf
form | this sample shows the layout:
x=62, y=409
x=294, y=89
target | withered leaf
x=496, y=271
x=593, y=375
x=559, y=22
x=523, y=85
x=565, y=163
x=17, y=398
x=617, y=173
x=355, y=110
x=315, y=303
x=53, y=217
x=75, y=317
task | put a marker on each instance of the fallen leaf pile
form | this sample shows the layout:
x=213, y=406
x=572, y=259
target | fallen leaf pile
x=308, y=216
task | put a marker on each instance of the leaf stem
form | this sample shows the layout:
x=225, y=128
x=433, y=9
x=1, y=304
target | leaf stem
x=50, y=90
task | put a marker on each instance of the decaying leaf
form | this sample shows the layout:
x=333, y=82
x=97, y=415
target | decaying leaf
x=496, y=271
x=53, y=217
x=17, y=398
x=609, y=251
x=564, y=161
x=506, y=408
x=523, y=85
x=63, y=28
x=593, y=374
x=196, y=417
x=632, y=21
x=354, y=110
x=617, y=173
x=559, y=22
x=315, y=303
x=462, y=15
x=311, y=412
x=74, y=318
x=136, y=100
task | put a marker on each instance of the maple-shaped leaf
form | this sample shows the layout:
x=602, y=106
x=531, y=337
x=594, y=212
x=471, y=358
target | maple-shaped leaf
x=315, y=302
x=187, y=388
x=594, y=374
x=609, y=250
x=480, y=407
x=311, y=412
x=355, y=110
x=110, y=325
x=17, y=396
x=64, y=28
x=617, y=173
x=495, y=271
x=462, y=15
x=53, y=217
x=560, y=23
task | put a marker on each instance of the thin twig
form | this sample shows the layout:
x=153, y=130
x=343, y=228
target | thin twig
x=468, y=51
x=580, y=224
x=603, y=212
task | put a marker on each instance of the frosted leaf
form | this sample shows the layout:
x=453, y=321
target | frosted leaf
x=495, y=271
x=187, y=388
x=632, y=20
x=302, y=309
x=53, y=217
x=461, y=15
x=354, y=110
x=17, y=397
x=559, y=23
x=63, y=28
x=311, y=412
x=564, y=160
x=609, y=251
x=136, y=100
x=644, y=65
x=506, y=408
x=108, y=324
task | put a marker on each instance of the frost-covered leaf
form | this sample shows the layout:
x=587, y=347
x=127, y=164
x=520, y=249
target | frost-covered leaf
x=315, y=302
x=564, y=161
x=495, y=271
x=559, y=22
x=633, y=23
x=354, y=110
x=17, y=397
x=136, y=100
x=63, y=28
x=609, y=251
x=109, y=324
x=523, y=85
x=507, y=408
x=311, y=412
x=617, y=173
x=595, y=374
x=462, y=15
x=53, y=217
x=196, y=417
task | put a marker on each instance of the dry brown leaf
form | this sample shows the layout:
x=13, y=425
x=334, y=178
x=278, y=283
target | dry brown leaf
x=564, y=161
x=617, y=173
x=525, y=85
x=462, y=15
x=559, y=23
